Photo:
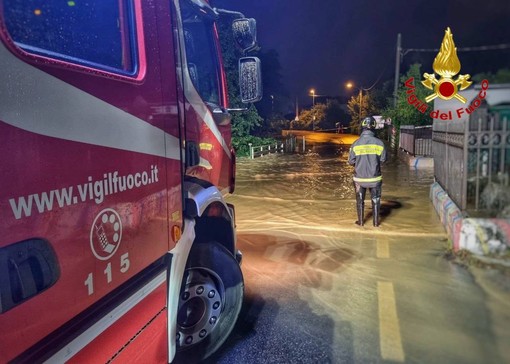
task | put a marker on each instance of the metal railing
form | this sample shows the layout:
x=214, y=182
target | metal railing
x=472, y=161
x=416, y=140
x=263, y=150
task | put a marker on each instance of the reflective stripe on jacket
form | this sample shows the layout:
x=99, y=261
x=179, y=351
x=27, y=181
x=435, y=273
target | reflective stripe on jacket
x=366, y=154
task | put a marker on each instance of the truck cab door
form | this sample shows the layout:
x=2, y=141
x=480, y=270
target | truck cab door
x=207, y=121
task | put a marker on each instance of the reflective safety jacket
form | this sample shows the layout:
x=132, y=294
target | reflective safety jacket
x=366, y=155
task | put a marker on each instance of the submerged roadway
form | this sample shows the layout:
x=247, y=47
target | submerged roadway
x=319, y=289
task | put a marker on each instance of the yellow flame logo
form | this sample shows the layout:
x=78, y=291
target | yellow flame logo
x=446, y=64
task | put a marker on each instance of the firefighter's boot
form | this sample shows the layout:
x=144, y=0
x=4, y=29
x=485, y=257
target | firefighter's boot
x=376, y=208
x=360, y=207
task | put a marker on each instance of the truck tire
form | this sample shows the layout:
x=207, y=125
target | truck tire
x=210, y=300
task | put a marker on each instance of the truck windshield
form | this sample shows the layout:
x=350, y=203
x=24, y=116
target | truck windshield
x=96, y=33
x=201, y=53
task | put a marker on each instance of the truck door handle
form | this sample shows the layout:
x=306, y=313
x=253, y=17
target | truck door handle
x=192, y=154
x=27, y=268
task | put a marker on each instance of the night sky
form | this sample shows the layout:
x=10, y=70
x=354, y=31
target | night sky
x=322, y=44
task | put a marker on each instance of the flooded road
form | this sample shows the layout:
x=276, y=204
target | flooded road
x=320, y=289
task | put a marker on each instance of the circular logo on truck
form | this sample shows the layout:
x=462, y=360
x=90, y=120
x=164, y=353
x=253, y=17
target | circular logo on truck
x=106, y=234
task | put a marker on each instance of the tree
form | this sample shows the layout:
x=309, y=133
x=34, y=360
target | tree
x=310, y=118
x=326, y=116
x=404, y=113
x=359, y=110
x=501, y=76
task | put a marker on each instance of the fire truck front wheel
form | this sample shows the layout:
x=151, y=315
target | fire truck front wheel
x=210, y=301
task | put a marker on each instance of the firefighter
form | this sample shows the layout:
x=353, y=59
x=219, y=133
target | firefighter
x=367, y=154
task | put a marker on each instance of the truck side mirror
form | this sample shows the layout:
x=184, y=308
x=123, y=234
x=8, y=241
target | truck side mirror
x=245, y=33
x=250, y=79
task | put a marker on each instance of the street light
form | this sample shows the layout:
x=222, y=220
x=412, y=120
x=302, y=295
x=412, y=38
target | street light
x=312, y=93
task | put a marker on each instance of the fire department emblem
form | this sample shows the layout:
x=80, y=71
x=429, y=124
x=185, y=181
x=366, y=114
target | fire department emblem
x=105, y=234
x=447, y=65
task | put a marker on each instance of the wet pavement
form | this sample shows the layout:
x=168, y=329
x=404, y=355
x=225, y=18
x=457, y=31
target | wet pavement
x=319, y=289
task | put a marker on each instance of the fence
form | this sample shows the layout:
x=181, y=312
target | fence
x=288, y=145
x=262, y=150
x=416, y=140
x=302, y=141
x=472, y=161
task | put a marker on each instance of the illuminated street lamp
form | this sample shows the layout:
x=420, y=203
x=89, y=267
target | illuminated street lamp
x=312, y=93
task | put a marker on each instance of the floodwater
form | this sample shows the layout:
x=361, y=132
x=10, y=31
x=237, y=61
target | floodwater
x=320, y=289
x=315, y=191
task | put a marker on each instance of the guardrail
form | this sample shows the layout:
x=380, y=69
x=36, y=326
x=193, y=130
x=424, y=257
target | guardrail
x=262, y=150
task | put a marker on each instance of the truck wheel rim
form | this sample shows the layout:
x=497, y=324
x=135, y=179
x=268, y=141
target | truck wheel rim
x=200, y=306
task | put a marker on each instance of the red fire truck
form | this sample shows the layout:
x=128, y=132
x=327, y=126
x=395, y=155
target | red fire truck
x=115, y=152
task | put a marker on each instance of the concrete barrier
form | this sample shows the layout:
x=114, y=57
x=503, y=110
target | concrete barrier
x=416, y=162
x=421, y=162
x=449, y=214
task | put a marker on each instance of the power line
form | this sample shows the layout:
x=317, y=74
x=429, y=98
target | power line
x=401, y=52
x=379, y=77
x=463, y=49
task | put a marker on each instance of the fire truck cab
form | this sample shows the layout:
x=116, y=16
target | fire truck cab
x=115, y=148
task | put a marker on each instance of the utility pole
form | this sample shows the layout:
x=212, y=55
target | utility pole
x=360, y=105
x=297, y=110
x=397, y=68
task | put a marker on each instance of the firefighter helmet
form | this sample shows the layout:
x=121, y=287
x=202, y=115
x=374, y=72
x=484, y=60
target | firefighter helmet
x=368, y=123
